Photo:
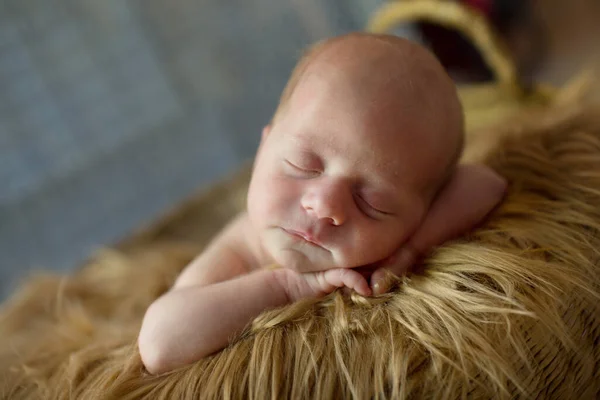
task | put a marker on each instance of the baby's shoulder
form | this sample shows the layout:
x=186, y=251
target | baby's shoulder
x=244, y=239
x=228, y=255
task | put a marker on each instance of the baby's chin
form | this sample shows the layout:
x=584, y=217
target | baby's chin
x=296, y=255
x=301, y=262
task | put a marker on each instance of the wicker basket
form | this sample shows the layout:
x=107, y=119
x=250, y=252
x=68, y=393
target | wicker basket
x=484, y=104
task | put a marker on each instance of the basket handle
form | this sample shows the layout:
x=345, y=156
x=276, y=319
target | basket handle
x=459, y=17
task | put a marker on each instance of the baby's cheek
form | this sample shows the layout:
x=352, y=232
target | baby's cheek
x=384, y=241
x=276, y=197
x=259, y=202
x=284, y=192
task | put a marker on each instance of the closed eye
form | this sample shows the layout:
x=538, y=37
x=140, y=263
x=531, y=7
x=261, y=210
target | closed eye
x=304, y=171
x=368, y=208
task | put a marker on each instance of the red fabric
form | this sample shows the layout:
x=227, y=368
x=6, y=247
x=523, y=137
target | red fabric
x=483, y=6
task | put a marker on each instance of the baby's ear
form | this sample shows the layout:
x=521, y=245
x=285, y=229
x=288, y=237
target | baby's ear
x=265, y=132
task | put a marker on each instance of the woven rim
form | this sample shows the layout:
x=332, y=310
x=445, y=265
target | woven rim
x=453, y=15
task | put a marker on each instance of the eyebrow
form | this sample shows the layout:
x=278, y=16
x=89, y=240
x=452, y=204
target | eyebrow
x=300, y=138
x=393, y=186
x=389, y=195
x=305, y=151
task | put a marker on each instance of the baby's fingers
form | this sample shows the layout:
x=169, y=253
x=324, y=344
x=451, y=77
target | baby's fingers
x=397, y=265
x=381, y=281
x=350, y=278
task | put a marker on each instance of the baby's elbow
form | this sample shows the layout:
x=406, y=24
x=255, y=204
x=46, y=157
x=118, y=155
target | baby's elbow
x=151, y=346
x=500, y=186
x=152, y=357
x=494, y=184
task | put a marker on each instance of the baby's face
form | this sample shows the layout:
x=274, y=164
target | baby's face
x=341, y=180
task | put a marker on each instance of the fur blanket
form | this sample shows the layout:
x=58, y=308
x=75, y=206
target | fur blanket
x=511, y=311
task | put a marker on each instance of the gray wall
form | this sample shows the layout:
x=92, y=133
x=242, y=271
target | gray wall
x=112, y=111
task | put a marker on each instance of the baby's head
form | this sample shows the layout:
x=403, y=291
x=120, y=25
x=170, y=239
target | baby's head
x=368, y=129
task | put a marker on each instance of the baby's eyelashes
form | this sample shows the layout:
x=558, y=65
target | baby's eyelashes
x=301, y=171
x=368, y=209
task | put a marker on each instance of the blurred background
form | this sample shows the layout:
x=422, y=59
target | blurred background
x=114, y=111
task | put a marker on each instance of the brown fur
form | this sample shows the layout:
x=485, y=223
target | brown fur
x=513, y=310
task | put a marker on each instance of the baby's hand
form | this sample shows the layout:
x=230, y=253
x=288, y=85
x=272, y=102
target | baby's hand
x=317, y=284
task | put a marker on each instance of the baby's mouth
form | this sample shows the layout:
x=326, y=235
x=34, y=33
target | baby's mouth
x=307, y=237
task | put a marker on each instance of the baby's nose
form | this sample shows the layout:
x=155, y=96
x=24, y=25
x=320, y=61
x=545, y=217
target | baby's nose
x=327, y=204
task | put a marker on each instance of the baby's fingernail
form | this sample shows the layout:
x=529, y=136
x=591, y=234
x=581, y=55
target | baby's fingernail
x=379, y=288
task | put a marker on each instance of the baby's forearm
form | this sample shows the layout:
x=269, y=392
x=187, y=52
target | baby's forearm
x=192, y=322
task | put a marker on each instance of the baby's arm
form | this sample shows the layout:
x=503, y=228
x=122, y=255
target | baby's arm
x=218, y=295
x=472, y=192
x=470, y=195
x=206, y=304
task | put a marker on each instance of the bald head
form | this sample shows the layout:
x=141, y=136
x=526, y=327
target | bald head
x=392, y=77
x=386, y=68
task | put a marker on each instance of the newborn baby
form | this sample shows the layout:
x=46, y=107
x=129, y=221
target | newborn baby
x=356, y=174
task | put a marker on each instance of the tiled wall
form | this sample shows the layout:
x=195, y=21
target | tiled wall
x=112, y=111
